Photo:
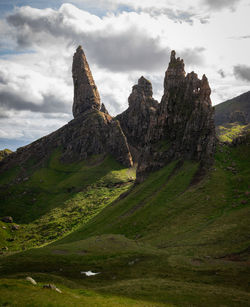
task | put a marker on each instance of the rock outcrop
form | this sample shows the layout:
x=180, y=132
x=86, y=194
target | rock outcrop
x=180, y=127
x=139, y=118
x=91, y=132
x=86, y=95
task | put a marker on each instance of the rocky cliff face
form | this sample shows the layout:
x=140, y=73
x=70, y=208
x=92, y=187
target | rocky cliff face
x=180, y=127
x=91, y=132
x=137, y=120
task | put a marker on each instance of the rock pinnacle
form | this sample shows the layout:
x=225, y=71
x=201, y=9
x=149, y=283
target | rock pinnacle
x=86, y=95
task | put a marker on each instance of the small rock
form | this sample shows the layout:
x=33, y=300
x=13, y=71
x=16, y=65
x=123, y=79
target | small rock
x=52, y=287
x=15, y=227
x=49, y=286
x=7, y=219
x=58, y=290
x=30, y=279
x=4, y=227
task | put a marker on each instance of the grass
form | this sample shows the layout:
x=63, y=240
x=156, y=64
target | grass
x=167, y=242
x=4, y=153
x=57, y=198
x=19, y=292
x=228, y=132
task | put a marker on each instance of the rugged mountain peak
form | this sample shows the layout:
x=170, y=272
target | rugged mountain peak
x=103, y=109
x=141, y=92
x=184, y=126
x=175, y=73
x=145, y=86
x=86, y=95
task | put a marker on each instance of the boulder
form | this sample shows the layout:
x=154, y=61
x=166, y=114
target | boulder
x=7, y=219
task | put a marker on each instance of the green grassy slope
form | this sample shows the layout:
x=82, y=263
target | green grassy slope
x=169, y=241
x=227, y=132
x=55, y=198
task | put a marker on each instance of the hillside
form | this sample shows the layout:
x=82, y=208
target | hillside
x=169, y=240
x=145, y=209
x=232, y=117
x=234, y=110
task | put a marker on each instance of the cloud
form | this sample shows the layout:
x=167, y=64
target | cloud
x=221, y=4
x=242, y=72
x=221, y=73
x=176, y=15
x=21, y=88
x=192, y=56
x=240, y=37
x=126, y=49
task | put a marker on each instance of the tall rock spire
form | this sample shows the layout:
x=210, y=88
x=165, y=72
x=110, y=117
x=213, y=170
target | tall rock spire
x=86, y=95
x=175, y=73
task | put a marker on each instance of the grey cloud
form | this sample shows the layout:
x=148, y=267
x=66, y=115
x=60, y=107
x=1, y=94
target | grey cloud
x=51, y=104
x=175, y=15
x=3, y=79
x=240, y=37
x=129, y=50
x=242, y=72
x=221, y=73
x=192, y=56
x=111, y=104
x=4, y=114
x=221, y=4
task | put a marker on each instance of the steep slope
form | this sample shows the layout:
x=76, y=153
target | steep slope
x=57, y=197
x=232, y=117
x=234, y=110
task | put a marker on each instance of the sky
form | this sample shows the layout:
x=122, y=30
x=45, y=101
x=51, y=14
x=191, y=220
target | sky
x=123, y=40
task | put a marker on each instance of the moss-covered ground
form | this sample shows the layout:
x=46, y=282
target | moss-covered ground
x=228, y=132
x=170, y=241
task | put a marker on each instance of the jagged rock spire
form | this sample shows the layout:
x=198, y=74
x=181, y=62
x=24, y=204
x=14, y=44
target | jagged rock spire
x=175, y=73
x=140, y=92
x=145, y=86
x=86, y=95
